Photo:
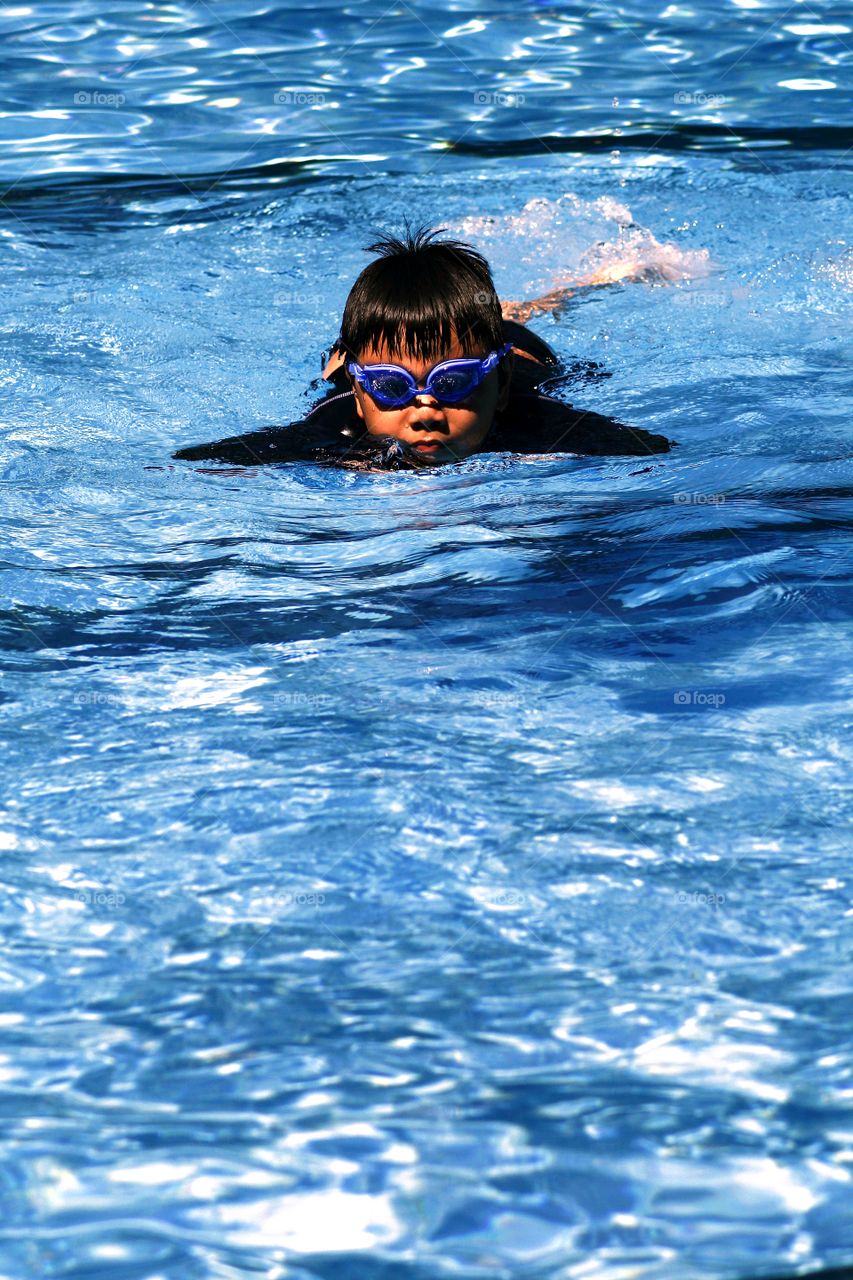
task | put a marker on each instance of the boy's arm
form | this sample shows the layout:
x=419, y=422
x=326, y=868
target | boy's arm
x=539, y=424
x=327, y=430
x=522, y=311
x=553, y=301
x=329, y=434
x=655, y=264
x=334, y=362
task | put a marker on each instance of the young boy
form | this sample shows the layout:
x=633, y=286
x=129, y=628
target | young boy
x=427, y=371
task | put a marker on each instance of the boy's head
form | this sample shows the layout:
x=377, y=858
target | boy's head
x=421, y=302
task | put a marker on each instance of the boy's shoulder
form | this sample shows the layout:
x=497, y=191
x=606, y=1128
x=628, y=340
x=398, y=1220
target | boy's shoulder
x=537, y=423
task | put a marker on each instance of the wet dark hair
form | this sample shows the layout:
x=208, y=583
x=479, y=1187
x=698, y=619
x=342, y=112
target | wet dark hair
x=418, y=293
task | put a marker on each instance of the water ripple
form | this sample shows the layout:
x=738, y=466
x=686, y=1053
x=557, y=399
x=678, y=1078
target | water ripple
x=419, y=872
x=215, y=86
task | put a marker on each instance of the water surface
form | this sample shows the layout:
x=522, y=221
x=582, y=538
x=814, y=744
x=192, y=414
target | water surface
x=424, y=874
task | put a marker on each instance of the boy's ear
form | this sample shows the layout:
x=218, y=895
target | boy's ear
x=505, y=369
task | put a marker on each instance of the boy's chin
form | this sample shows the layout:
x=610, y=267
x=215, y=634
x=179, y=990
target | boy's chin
x=391, y=452
x=442, y=450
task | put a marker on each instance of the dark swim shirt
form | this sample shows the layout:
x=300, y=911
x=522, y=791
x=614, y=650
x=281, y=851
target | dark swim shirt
x=531, y=423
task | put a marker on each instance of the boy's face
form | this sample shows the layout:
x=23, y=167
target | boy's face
x=439, y=432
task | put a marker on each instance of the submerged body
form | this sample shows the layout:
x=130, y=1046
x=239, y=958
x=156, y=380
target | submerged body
x=347, y=429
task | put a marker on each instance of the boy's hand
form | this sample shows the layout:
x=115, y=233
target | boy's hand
x=522, y=311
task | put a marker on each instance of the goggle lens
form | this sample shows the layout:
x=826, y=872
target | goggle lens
x=392, y=388
x=454, y=384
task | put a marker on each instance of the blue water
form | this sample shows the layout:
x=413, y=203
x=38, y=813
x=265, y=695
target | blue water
x=425, y=874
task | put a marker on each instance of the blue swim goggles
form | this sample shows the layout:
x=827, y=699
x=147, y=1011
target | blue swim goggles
x=391, y=386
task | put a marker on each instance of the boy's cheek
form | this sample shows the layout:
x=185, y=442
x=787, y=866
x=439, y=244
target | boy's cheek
x=375, y=421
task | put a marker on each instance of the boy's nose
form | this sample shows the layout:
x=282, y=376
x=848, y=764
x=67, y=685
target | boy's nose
x=420, y=403
x=424, y=420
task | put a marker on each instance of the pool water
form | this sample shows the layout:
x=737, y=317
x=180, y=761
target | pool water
x=442, y=873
